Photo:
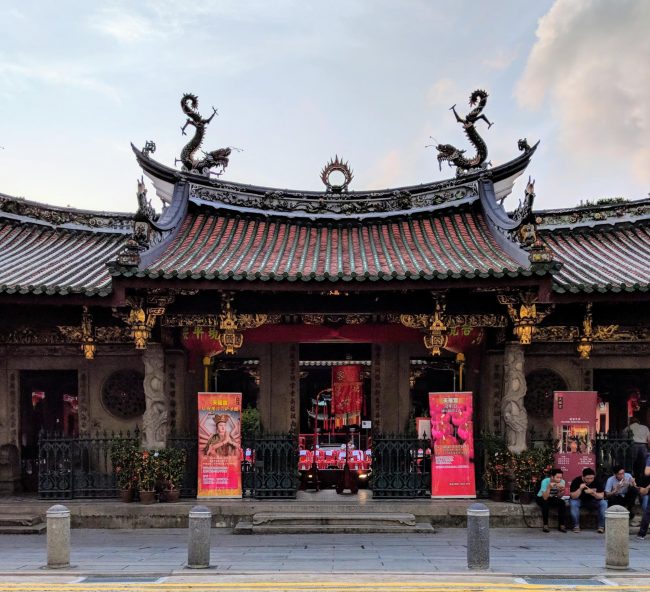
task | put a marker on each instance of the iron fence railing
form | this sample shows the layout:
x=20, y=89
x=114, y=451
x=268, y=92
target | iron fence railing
x=401, y=467
x=190, y=444
x=270, y=468
x=78, y=467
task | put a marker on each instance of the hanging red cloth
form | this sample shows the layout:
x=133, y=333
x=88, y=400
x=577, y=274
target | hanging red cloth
x=347, y=394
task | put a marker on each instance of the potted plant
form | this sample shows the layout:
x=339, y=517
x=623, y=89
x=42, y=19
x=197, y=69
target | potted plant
x=497, y=460
x=528, y=467
x=124, y=454
x=148, y=467
x=172, y=472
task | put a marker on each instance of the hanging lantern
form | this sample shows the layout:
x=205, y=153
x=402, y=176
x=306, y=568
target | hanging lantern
x=230, y=337
x=437, y=337
x=87, y=340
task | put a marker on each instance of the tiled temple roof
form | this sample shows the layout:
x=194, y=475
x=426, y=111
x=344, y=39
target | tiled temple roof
x=49, y=250
x=213, y=245
x=603, y=248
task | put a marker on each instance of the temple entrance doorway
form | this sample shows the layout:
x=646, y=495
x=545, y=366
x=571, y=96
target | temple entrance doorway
x=627, y=392
x=430, y=375
x=335, y=444
x=48, y=403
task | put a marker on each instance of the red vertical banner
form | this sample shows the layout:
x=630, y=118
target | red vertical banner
x=452, y=436
x=347, y=395
x=574, y=422
x=219, y=467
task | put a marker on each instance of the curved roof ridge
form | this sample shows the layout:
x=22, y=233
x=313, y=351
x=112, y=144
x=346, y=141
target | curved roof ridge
x=32, y=212
x=591, y=215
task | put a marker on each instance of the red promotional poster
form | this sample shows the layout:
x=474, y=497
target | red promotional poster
x=574, y=422
x=219, y=445
x=452, y=436
x=346, y=395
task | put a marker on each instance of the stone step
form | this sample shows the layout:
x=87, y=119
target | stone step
x=20, y=520
x=376, y=518
x=349, y=528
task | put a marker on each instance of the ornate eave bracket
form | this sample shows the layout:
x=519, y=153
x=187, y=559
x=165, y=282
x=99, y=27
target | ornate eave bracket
x=231, y=325
x=525, y=313
x=437, y=331
x=143, y=314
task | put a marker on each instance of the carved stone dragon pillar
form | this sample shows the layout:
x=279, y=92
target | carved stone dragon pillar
x=154, y=420
x=513, y=410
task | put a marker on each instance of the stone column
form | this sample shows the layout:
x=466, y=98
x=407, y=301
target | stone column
x=514, y=389
x=154, y=420
x=617, y=538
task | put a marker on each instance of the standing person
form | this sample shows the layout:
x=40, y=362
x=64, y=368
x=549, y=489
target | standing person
x=621, y=489
x=640, y=441
x=587, y=492
x=645, y=521
x=550, y=496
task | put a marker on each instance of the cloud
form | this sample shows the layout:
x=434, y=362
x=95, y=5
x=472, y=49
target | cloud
x=590, y=65
x=500, y=59
x=123, y=25
x=442, y=92
x=14, y=74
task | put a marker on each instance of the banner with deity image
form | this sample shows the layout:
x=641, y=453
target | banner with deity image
x=219, y=467
x=452, y=439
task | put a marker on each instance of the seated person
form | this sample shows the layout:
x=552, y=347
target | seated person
x=621, y=489
x=643, y=483
x=587, y=492
x=550, y=496
x=645, y=521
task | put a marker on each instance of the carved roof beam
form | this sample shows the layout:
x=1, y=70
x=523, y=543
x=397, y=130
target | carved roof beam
x=525, y=313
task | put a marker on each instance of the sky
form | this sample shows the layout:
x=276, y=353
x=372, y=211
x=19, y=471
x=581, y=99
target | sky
x=298, y=82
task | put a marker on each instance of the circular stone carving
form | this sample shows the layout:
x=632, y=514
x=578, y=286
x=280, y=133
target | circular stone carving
x=539, y=394
x=123, y=394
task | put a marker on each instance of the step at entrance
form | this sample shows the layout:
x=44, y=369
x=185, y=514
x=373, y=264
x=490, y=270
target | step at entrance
x=21, y=524
x=330, y=522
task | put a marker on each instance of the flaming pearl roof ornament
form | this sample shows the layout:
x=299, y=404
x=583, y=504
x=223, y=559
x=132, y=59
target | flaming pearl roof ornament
x=336, y=166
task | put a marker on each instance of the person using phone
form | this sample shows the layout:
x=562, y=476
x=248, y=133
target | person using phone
x=550, y=496
x=621, y=489
x=587, y=492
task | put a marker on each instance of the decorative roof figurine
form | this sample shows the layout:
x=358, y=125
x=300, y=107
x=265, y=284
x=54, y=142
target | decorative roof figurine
x=217, y=159
x=336, y=166
x=456, y=157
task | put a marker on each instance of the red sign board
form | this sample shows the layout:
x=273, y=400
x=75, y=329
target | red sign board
x=452, y=438
x=219, y=445
x=574, y=421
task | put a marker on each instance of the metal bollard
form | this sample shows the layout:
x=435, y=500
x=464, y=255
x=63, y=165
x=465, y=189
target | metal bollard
x=58, y=537
x=478, y=537
x=198, y=546
x=617, y=538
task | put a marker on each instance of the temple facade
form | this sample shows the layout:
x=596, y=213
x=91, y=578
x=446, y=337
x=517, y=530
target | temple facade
x=115, y=321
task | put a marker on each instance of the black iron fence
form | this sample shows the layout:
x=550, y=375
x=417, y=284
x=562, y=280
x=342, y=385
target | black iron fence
x=78, y=467
x=270, y=467
x=189, y=443
x=401, y=467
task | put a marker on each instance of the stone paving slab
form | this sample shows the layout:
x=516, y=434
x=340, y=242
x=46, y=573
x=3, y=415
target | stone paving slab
x=163, y=552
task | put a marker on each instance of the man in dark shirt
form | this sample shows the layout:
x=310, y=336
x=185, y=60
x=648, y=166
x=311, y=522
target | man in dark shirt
x=587, y=492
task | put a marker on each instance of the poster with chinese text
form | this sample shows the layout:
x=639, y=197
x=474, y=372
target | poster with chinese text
x=574, y=424
x=219, y=466
x=452, y=439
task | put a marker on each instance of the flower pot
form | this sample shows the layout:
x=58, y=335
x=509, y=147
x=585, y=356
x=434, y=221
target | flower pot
x=497, y=495
x=172, y=495
x=127, y=495
x=526, y=497
x=147, y=497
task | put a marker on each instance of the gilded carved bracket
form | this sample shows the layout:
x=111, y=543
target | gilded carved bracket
x=525, y=313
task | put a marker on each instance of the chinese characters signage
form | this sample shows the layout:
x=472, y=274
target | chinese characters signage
x=452, y=438
x=574, y=422
x=219, y=445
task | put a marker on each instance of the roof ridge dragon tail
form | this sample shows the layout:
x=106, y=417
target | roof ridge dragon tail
x=455, y=156
x=215, y=158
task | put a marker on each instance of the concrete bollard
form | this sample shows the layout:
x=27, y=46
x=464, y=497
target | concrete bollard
x=58, y=537
x=478, y=537
x=198, y=546
x=617, y=538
